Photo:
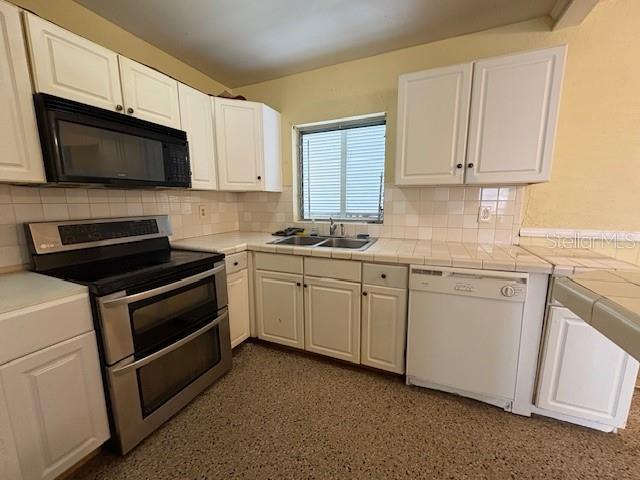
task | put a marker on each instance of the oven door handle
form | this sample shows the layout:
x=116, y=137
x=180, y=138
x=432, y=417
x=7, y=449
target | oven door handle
x=160, y=353
x=163, y=289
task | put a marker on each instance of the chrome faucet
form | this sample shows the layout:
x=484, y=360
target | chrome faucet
x=332, y=227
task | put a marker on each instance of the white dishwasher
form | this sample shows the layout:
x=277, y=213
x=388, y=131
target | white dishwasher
x=464, y=331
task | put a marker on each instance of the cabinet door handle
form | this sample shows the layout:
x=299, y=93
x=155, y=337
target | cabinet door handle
x=119, y=108
x=365, y=293
x=459, y=165
x=470, y=165
x=259, y=177
x=129, y=110
x=298, y=283
x=305, y=285
x=384, y=275
x=235, y=264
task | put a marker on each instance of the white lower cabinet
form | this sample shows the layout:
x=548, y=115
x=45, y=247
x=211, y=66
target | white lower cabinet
x=238, y=293
x=332, y=318
x=55, y=404
x=322, y=308
x=384, y=327
x=279, y=308
x=583, y=374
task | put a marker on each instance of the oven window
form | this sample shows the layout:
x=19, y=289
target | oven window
x=163, y=378
x=100, y=153
x=158, y=321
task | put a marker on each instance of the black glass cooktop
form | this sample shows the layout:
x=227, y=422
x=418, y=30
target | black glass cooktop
x=136, y=271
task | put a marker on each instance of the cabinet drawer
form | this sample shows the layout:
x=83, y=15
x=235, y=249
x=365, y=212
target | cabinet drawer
x=235, y=262
x=340, y=269
x=384, y=275
x=33, y=328
x=278, y=263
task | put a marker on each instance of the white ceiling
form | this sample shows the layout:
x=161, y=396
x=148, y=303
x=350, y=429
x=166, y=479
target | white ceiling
x=239, y=42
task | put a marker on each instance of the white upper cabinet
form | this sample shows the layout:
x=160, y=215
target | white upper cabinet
x=503, y=109
x=514, y=110
x=20, y=154
x=196, y=118
x=69, y=66
x=248, y=146
x=583, y=374
x=433, y=110
x=149, y=94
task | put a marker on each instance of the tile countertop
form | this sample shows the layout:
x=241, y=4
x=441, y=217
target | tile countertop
x=608, y=300
x=386, y=250
x=567, y=261
x=25, y=289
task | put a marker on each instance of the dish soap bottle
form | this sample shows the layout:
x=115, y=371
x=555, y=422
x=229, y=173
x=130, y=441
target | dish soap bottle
x=314, y=229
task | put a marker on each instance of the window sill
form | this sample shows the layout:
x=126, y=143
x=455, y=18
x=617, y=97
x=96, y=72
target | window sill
x=339, y=220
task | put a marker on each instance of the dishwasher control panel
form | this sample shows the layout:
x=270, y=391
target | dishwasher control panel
x=505, y=286
x=464, y=287
x=512, y=291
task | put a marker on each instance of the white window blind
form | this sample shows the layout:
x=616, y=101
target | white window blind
x=342, y=170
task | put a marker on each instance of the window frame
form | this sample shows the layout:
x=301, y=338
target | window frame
x=328, y=126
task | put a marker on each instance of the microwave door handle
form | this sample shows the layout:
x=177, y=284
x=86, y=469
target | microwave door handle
x=160, y=353
x=164, y=289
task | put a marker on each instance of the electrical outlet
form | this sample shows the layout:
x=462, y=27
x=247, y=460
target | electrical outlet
x=484, y=214
x=202, y=210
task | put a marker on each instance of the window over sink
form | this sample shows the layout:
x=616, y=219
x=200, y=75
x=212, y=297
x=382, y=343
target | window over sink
x=341, y=169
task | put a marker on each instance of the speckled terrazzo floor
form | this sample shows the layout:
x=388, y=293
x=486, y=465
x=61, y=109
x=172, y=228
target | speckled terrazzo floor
x=282, y=415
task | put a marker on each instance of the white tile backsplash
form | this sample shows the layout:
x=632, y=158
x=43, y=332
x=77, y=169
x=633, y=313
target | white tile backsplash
x=20, y=204
x=429, y=213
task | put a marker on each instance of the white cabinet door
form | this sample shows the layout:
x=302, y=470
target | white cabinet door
x=583, y=374
x=196, y=118
x=238, y=292
x=332, y=318
x=56, y=405
x=149, y=94
x=512, y=124
x=9, y=465
x=384, y=327
x=433, y=111
x=69, y=66
x=279, y=309
x=240, y=144
x=21, y=157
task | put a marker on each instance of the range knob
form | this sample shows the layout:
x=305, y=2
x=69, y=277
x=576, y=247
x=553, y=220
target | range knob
x=508, y=291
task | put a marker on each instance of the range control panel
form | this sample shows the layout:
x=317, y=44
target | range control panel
x=50, y=237
x=96, y=232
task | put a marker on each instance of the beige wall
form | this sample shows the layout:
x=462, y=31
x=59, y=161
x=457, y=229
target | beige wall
x=596, y=171
x=84, y=22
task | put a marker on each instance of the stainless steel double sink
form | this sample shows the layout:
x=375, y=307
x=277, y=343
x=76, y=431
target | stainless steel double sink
x=358, y=244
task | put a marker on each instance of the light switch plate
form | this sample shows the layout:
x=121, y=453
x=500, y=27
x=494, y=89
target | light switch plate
x=484, y=214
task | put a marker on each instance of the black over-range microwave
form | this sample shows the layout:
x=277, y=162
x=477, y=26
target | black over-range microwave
x=82, y=144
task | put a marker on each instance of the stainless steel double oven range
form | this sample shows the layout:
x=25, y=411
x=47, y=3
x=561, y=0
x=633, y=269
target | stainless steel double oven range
x=160, y=314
